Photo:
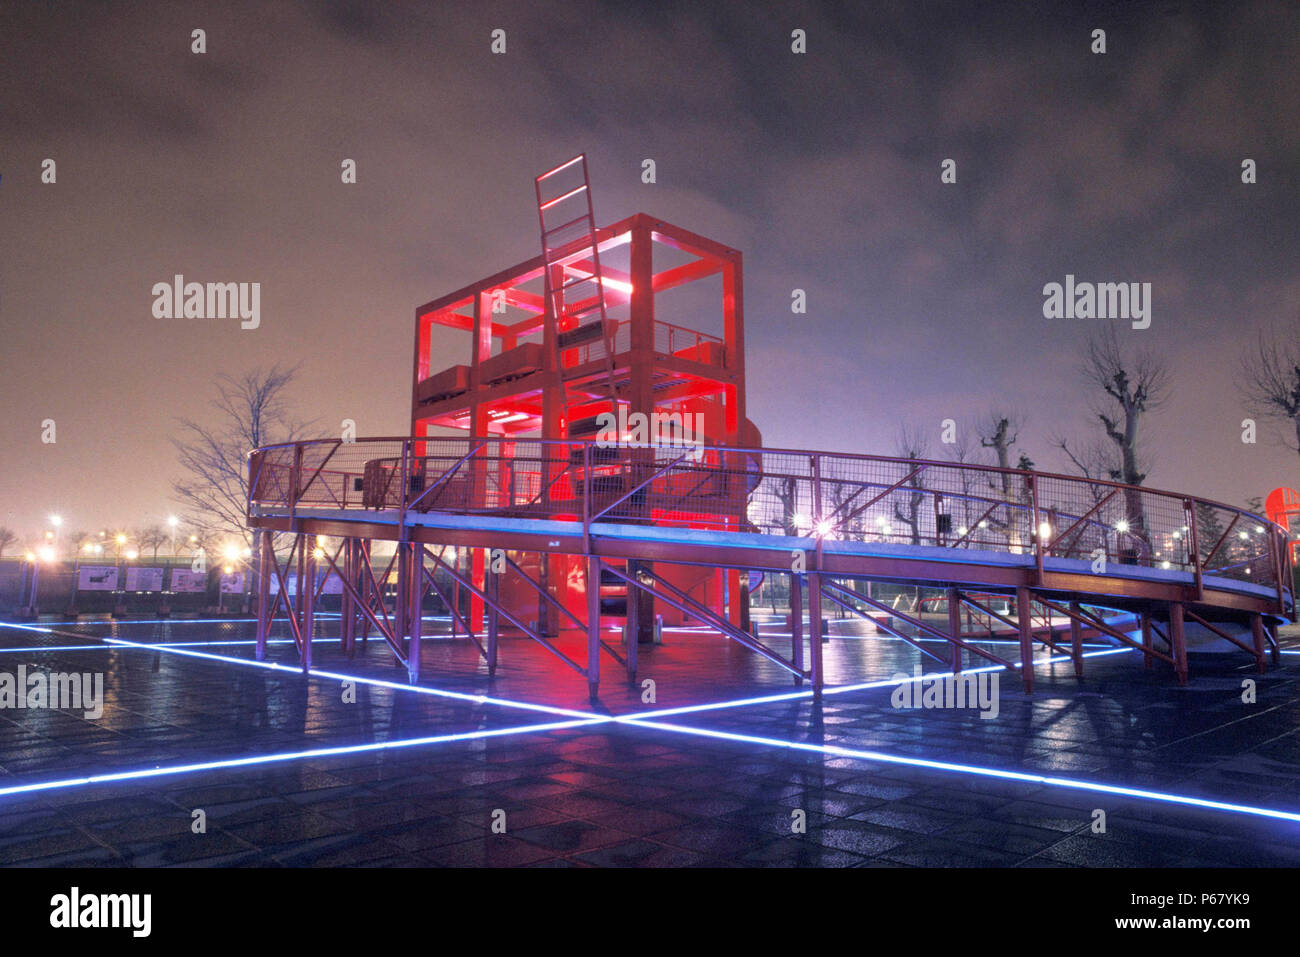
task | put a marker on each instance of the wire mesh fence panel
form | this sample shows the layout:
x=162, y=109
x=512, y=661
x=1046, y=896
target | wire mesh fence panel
x=812, y=495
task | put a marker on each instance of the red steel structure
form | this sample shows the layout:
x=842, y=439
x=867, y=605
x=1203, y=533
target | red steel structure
x=560, y=527
x=1283, y=509
x=576, y=332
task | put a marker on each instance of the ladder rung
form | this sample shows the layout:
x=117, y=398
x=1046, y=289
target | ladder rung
x=559, y=199
x=572, y=222
x=582, y=279
x=563, y=166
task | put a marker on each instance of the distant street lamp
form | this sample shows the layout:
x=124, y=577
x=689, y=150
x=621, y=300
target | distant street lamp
x=173, y=521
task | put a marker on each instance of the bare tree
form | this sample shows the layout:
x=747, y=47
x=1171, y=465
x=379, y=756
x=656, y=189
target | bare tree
x=999, y=431
x=911, y=443
x=252, y=410
x=1133, y=386
x=8, y=538
x=1270, y=380
x=153, y=538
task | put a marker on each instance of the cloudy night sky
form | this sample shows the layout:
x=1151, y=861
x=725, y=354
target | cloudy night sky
x=925, y=299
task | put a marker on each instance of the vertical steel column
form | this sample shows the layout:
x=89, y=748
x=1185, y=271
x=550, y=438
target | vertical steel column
x=1178, y=639
x=307, y=585
x=1026, y=627
x=365, y=590
x=264, y=559
x=1257, y=632
x=348, y=611
x=815, y=631
x=402, y=598
x=416, y=579
x=1147, y=660
x=635, y=597
x=301, y=540
x=593, y=625
x=1076, y=640
x=954, y=627
x=796, y=624
x=493, y=588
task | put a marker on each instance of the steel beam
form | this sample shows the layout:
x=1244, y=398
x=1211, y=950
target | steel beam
x=1178, y=639
x=1025, y=624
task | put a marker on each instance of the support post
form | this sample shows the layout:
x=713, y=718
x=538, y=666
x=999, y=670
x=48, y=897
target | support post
x=366, y=590
x=1257, y=632
x=954, y=627
x=796, y=624
x=493, y=588
x=815, y=631
x=264, y=559
x=347, y=611
x=1026, y=627
x=593, y=625
x=307, y=588
x=417, y=612
x=635, y=598
x=402, y=596
x=1147, y=660
x=297, y=591
x=1076, y=640
x=1178, y=639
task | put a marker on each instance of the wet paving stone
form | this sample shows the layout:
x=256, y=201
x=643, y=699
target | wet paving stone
x=619, y=794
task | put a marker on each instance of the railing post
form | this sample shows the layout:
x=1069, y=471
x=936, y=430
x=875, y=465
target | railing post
x=406, y=479
x=295, y=480
x=1034, y=531
x=1189, y=508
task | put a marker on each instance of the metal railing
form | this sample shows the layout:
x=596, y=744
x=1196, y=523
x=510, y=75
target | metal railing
x=822, y=496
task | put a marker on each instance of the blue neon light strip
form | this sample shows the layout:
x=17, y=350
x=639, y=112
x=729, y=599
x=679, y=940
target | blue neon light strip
x=972, y=769
x=580, y=718
x=286, y=756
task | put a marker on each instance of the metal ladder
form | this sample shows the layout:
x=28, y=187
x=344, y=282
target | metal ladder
x=571, y=256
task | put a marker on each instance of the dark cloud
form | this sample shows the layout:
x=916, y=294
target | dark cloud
x=925, y=299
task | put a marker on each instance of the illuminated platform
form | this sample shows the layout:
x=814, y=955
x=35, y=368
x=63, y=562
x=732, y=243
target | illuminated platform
x=1051, y=544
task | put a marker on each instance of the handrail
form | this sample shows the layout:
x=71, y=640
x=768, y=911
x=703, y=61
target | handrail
x=1051, y=515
